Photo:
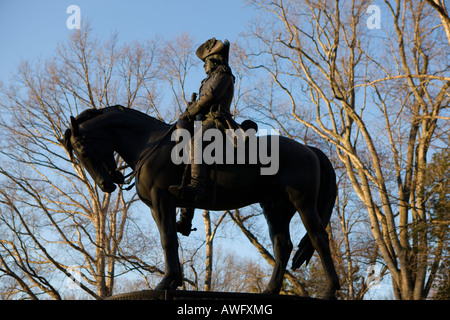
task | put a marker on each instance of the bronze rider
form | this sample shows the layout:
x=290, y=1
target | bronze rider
x=212, y=108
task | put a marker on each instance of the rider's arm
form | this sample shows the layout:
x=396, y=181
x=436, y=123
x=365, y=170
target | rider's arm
x=211, y=93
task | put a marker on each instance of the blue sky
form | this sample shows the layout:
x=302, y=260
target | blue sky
x=32, y=29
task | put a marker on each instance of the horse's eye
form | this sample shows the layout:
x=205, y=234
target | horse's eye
x=83, y=152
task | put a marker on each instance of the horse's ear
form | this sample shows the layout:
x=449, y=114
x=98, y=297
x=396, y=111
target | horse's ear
x=74, y=126
x=66, y=142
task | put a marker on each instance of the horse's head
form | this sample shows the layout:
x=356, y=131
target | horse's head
x=94, y=150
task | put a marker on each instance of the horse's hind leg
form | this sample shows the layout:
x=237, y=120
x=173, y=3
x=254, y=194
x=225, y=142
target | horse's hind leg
x=319, y=238
x=278, y=216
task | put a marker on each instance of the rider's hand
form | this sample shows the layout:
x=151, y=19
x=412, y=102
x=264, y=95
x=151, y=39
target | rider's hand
x=185, y=115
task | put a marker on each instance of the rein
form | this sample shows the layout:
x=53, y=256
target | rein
x=144, y=156
x=94, y=150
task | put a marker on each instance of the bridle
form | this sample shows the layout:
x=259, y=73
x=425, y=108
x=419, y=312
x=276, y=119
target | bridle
x=85, y=143
x=143, y=157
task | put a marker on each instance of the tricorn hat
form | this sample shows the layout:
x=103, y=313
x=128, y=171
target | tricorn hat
x=213, y=46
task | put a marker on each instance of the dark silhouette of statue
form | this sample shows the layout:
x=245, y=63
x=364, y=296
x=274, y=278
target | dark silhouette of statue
x=305, y=181
x=212, y=108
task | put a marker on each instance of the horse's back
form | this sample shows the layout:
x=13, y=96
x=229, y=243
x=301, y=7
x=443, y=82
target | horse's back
x=299, y=165
x=237, y=185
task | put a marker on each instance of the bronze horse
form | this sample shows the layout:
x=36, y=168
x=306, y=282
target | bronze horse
x=305, y=182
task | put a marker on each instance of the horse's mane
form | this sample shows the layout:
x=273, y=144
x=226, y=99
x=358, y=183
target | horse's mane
x=89, y=114
x=92, y=113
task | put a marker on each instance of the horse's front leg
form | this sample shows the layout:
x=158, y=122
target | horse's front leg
x=164, y=214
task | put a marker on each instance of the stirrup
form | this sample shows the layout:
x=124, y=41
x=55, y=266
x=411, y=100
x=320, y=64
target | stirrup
x=177, y=191
x=189, y=192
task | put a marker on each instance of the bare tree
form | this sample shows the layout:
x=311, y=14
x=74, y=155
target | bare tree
x=177, y=64
x=441, y=8
x=354, y=245
x=210, y=234
x=54, y=218
x=240, y=221
x=382, y=110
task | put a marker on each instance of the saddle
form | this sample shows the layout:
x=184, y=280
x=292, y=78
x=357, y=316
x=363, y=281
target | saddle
x=218, y=117
x=224, y=120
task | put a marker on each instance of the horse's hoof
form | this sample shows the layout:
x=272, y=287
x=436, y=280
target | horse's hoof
x=330, y=295
x=271, y=291
x=168, y=284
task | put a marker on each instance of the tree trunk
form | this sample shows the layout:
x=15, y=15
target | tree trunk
x=209, y=251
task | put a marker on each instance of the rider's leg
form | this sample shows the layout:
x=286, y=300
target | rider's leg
x=196, y=190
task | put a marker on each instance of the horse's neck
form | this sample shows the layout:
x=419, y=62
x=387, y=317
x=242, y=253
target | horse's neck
x=133, y=137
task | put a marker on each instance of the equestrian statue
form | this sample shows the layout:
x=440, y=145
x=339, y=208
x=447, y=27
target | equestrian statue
x=305, y=181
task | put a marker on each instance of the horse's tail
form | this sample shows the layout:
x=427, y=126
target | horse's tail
x=325, y=204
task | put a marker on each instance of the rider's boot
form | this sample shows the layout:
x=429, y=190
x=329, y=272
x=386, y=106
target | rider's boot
x=196, y=190
x=184, y=224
